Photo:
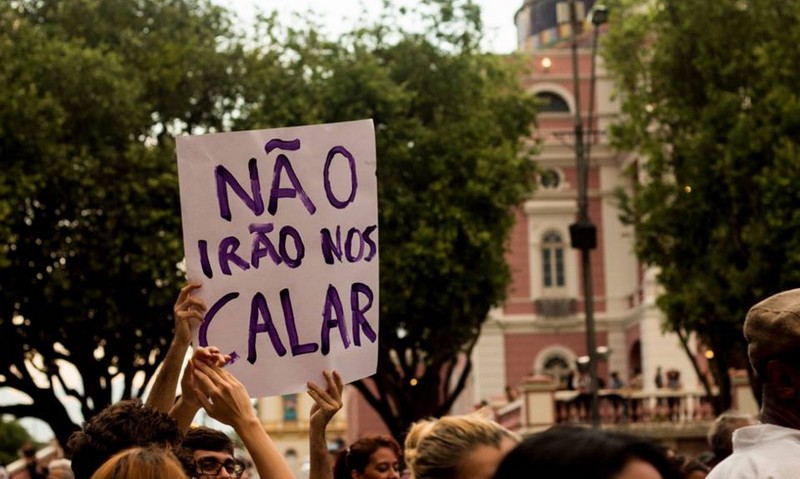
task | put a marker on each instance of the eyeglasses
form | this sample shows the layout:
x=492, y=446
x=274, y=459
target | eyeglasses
x=212, y=467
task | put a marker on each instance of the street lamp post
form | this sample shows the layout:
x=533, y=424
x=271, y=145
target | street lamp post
x=583, y=233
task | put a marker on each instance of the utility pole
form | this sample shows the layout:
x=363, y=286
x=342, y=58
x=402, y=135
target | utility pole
x=583, y=233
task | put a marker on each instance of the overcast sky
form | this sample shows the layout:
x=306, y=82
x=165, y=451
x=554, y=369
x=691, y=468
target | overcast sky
x=498, y=15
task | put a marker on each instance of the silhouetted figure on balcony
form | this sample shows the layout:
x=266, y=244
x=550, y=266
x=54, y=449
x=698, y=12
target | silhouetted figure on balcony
x=659, y=379
x=619, y=400
x=674, y=402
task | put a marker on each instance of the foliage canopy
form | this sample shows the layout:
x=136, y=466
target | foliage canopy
x=711, y=104
x=92, y=101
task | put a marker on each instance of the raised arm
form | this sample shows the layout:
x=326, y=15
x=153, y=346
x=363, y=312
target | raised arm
x=327, y=403
x=188, y=310
x=225, y=399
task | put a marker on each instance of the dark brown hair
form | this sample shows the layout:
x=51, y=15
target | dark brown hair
x=118, y=427
x=356, y=457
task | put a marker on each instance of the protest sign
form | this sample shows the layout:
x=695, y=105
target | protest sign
x=280, y=227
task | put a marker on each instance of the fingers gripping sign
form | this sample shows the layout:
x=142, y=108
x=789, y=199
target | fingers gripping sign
x=222, y=395
x=188, y=311
x=209, y=355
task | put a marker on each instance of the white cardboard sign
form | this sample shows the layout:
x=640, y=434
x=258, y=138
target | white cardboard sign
x=281, y=228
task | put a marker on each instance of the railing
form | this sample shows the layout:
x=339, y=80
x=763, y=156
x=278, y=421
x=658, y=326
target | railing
x=542, y=405
x=634, y=406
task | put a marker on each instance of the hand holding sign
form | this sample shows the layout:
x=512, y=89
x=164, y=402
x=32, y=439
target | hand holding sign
x=289, y=262
x=188, y=312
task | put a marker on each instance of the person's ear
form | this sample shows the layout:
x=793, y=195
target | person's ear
x=783, y=378
x=354, y=474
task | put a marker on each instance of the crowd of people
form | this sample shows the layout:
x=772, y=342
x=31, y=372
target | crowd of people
x=136, y=440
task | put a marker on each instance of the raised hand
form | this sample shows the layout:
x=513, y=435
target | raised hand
x=225, y=399
x=222, y=395
x=209, y=355
x=327, y=402
x=188, y=312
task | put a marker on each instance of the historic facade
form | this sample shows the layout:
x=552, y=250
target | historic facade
x=541, y=327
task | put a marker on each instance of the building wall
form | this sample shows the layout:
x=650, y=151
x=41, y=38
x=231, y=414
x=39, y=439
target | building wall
x=523, y=349
x=517, y=336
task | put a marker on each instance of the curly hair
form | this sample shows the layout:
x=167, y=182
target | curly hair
x=356, y=457
x=118, y=427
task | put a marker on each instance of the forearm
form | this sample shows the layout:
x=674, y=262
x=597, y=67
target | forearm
x=162, y=394
x=269, y=462
x=183, y=412
x=319, y=460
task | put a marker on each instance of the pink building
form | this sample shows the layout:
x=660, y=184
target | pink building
x=540, y=327
x=539, y=330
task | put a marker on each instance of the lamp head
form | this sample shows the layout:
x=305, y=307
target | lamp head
x=598, y=15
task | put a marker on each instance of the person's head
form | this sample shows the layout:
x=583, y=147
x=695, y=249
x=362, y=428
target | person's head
x=141, y=463
x=772, y=330
x=120, y=426
x=208, y=454
x=720, y=434
x=455, y=447
x=60, y=469
x=371, y=457
x=691, y=468
x=581, y=452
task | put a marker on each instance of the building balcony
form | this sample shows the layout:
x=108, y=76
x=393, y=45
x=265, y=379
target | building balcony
x=678, y=417
x=554, y=308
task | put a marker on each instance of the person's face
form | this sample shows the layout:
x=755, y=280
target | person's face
x=211, y=460
x=481, y=461
x=638, y=469
x=383, y=464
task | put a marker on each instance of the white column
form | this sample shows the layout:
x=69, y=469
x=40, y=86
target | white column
x=489, y=362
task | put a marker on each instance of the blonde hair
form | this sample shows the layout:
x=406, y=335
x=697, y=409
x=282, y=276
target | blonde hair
x=141, y=463
x=435, y=447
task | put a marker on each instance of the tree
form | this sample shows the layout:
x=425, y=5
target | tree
x=711, y=105
x=92, y=93
x=90, y=102
x=12, y=437
x=449, y=125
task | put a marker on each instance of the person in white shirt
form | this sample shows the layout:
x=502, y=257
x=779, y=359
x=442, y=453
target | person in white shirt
x=771, y=449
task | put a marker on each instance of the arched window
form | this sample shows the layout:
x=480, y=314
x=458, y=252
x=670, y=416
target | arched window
x=552, y=260
x=550, y=179
x=557, y=366
x=550, y=102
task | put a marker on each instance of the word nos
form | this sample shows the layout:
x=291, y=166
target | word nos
x=284, y=245
x=358, y=242
x=261, y=321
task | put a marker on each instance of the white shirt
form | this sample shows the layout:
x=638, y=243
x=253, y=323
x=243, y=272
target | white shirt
x=763, y=451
